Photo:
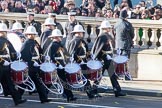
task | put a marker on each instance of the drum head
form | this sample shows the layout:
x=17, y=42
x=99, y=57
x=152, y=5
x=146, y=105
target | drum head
x=120, y=59
x=94, y=64
x=48, y=67
x=18, y=65
x=72, y=68
x=15, y=41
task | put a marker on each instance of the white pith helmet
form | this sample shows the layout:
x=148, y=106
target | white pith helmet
x=17, y=26
x=56, y=33
x=71, y=13
x=105, y=24
x=78, y=28
x=31, y=30
x=52, y=14
x=3, y=27
x=49, y=21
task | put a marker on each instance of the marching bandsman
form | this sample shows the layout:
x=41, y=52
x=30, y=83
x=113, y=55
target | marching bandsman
x=79, y=49
x=18, y=29
x=44, y=40
x=58, y=25
x=31, y=21
x=69, y=26
x=104, y=47
x=58, y=56
x=7, y=54
x=30, y=54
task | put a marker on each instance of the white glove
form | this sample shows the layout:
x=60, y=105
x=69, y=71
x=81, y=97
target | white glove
x=35, y=64
x=82, y=62
x=18, y=55
x=108, y=57
x=6, y=63
x=47, y=58
x=60, y=67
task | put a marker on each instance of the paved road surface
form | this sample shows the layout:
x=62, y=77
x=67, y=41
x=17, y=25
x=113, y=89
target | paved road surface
x=107, y=101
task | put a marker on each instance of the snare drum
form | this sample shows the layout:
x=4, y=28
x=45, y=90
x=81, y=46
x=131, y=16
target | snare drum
x=73, y=73
x=94, y=71
x=48, y=72
x=19, y=71
x=120, y=64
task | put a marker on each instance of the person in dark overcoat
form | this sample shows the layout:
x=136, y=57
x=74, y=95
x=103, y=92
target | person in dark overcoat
x=124, y=38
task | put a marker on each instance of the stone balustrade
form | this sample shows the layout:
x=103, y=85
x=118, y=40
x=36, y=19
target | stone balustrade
x=146, y=59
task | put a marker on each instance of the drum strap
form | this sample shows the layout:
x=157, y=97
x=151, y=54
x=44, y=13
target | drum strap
x=36, y=57
x=83, y=48
x=111, y=45
x=62, y=55
x=8, y=52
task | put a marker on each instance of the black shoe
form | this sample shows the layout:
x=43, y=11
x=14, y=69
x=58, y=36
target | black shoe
x=128, y=77
x=35, y=91
x=6, y=95
x=46, y=101
x=20, y=102
x=97, y=95
x=117, y=94
x=90, y=95
x=64, y=95
x=71, y=99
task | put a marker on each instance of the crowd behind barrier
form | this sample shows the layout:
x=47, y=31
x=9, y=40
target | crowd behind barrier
x=90, y=8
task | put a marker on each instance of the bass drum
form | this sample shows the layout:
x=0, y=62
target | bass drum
x=15, y=40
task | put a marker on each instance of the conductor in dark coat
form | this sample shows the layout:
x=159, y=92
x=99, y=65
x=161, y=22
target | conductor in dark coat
x=124, y=38
x=124, y=34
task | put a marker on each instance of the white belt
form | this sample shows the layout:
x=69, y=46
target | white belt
x=83, y=56
x=5, y=56
x=59, y=58
x=107, y=52
x=35, y=58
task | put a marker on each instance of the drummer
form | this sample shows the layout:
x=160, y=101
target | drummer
x=103, y=48
x=58, y=55
x=30, y=54
x=7, y=54
x=18, y=29
x=44, y=40
x=78, y=47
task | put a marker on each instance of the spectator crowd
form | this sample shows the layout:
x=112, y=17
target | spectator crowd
x=90, y=8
